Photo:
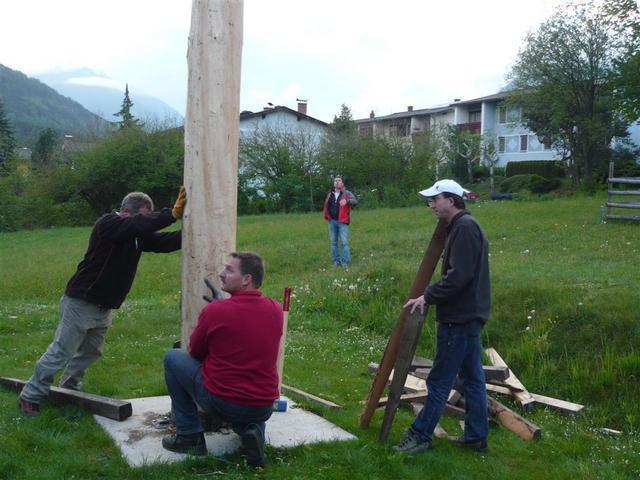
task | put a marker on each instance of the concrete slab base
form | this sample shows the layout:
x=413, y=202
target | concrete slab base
x=139, y=437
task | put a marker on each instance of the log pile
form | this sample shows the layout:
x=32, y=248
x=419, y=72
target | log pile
x=499, y=379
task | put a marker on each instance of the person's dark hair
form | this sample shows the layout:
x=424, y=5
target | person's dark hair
x=458, y=201
x=134, y=201
x=251, y=263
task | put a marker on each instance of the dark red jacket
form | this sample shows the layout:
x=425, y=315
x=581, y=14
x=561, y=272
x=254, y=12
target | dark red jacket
x=333, y=210
x=237, y=341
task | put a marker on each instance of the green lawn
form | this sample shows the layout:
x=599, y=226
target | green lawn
x=566, y=318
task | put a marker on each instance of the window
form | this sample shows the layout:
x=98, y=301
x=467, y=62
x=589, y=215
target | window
x=534, y=144
x=509, y=114
x=501, y=144
x=513, y=115
x=474, y=117
x=366, y=130
x=502, y=114
x=524, y=142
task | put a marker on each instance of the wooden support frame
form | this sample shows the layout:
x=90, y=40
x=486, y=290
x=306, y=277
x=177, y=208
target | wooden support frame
x=407, y=349
x=423, y=277
x=103, y=406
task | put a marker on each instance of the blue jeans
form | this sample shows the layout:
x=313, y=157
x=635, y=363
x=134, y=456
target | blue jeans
x=184, y=380
x=458, y=353
x=339, y=230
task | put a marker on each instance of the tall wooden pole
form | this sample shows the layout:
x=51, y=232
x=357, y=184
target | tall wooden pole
x=211, y=133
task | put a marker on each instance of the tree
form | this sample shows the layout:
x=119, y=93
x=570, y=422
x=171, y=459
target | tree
x=44, y=152
x=565, y=80
x=279, y=170
x=128, y=120
x=338, y=143
x=7, y=138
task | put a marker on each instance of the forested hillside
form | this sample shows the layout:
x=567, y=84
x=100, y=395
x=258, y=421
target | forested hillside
x=32, y=106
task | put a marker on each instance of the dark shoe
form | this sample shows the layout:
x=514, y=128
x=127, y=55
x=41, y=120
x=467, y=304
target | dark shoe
x=253, y=444
x=475, y=445
x=193, y=444
x=30, y=409
x=412, y=443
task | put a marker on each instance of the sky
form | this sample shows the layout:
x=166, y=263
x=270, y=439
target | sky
x=368, y=54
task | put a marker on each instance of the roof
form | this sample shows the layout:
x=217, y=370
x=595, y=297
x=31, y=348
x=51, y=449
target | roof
x=406, y=114
x=270, y=111
x=432, y=110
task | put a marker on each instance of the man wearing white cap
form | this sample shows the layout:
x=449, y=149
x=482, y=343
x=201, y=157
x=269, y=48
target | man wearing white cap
x=463, y=299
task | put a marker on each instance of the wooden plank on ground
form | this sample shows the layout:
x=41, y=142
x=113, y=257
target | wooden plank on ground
x=411, y=384
x=103, y=406
x=512, y=421
x=423, y=277
x=312, y=398
x=406, y=350
x=557, y=404
x=491, y=373
x=523, y=396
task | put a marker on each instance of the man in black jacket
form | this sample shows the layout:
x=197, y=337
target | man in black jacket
x=101, y=283
x=463, y=299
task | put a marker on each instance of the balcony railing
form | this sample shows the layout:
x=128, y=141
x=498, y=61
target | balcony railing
x=473, y=127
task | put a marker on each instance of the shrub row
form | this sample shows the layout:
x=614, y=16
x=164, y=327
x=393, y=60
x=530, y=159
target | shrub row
x=544, y=168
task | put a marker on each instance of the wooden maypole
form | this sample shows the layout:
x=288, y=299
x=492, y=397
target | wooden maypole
x=211, y=133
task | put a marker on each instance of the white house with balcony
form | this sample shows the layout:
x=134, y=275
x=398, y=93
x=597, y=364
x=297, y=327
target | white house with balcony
x=488, y=116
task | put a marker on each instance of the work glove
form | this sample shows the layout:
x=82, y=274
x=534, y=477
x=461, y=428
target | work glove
x=216, y=293
x=181, y=201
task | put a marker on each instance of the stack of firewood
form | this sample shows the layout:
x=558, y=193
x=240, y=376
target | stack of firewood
x=500, y=379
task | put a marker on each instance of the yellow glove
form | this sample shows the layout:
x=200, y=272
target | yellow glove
x=181, y=201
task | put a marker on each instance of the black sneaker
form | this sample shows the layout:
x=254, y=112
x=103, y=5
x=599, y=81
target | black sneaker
x=30, y=409
x=412, y=443
x=253, y=444
x=193, y=444
x=475, y=445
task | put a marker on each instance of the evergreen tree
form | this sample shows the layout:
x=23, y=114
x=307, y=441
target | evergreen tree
x=128, y=120
x=44, y=152
x=7, y=138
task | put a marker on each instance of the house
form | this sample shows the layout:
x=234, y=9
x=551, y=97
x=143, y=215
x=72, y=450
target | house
x=284, y=119
x=488, y=116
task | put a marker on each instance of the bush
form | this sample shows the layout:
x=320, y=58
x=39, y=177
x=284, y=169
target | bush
x=533, y=183
x=544, y=168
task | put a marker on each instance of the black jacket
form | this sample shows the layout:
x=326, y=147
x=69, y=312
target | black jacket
x=463, y=293
x=105, y=275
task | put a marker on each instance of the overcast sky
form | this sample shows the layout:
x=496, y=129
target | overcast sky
x=369, y=54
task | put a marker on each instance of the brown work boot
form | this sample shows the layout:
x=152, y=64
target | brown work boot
x=30, y=409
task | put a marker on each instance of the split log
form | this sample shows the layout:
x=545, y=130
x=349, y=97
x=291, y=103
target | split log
x=313, y=398
x=512, y=421
x=103, y=406
x=520, y=391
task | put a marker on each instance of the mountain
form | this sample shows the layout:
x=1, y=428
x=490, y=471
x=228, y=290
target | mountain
x=103, y=96
x=32, y=106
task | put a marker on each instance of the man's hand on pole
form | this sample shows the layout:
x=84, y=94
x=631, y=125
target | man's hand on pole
x=416, y=302
x=181, y=201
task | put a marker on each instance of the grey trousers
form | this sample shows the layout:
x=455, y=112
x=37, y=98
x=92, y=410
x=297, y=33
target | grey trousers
x=78, y=343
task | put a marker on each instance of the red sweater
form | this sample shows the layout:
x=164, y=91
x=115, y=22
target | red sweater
x=237, y=341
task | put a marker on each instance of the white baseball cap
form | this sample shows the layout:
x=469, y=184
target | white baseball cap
x=442, y=186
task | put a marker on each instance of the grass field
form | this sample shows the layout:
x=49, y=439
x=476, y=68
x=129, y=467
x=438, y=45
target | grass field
x=566, y=318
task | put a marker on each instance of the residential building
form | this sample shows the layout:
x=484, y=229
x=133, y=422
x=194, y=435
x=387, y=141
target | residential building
x=487, y=115
x=280, y=118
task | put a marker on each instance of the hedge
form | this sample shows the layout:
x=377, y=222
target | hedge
x=544, y=168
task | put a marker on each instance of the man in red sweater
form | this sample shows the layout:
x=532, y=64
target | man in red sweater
x=230, y=370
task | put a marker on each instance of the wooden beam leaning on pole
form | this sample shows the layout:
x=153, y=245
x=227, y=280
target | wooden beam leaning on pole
x=211, y=133
x=423, y=277
x=281, y=405
x=103, y=406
